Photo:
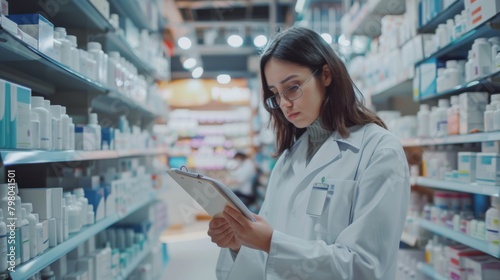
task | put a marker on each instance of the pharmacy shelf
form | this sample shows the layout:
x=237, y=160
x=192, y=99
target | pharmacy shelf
x=459, y=48
x=450, y=12
x=489, y=83
x=113, y=41
x=78, y=14
x=452, y=139
x=132, y=10
x=458, y=186
x=467, y=240
x=366, y=20
x=429, y=271
x=28, y=269
x=29, y=67
x=116, y=104
x=389, y=88
x=135, y=263
x=13, y=157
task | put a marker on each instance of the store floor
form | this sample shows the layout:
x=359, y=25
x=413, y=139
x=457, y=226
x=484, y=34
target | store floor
x=192, y=256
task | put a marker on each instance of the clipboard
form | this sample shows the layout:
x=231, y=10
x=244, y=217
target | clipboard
x=210, y=193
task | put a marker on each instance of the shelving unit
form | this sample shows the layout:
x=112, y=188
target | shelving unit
x=28, y=269
x=467, y=240
x=449, y=12
x=132, y=10
x=459, y=187
x=452, y=139
x=429, y=271
x=135, y=262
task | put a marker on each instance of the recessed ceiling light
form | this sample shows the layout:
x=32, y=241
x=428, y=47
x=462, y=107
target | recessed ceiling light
x=260, y=41
x=184, y=43
x=189, y=63
x=235, y=41
x=223, y=79
x=197, y=72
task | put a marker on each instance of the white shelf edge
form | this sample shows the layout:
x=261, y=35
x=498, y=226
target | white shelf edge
x=472, y=242
x=429, y=271
x=458, y=186
x=28, y=269
x=452, y=139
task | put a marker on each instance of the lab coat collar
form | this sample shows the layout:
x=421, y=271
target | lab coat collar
x=355, y=138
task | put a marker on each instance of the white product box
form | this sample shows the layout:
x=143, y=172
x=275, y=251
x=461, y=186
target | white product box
x=57, y=197
x=53, y=235
x=32, y=42
x=39, y=28
x=467, y=167
x=9, y=25
x=456, y=255
x=84, y=138
x=41, y=198
x=490, y=147
x=23, y=123
x=479, y=11
x=472, y=106
x=45, y=243
x=482, y=268
x=488, y=168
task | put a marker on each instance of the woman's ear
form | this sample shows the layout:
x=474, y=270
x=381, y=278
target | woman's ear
x=327, y=75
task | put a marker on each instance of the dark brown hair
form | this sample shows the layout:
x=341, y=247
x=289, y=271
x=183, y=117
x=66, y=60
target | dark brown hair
x=342, y=106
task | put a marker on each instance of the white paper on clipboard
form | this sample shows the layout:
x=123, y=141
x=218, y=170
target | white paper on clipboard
x=211, y=194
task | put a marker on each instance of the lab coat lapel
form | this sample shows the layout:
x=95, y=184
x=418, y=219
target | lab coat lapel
x=328, y=152
x=298, y=158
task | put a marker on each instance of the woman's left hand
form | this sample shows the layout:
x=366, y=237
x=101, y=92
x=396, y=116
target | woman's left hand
x=256, y=235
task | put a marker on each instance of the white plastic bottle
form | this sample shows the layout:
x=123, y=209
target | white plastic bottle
x=433, y=122
x=469, y=67
x=71, y=133
x=97, y=130
x=441, y=80
x=453, y=76
x=428, y=252
x=60, y=34
x=3, y=243
x=453, y=115
x=32, y=229
x=38, y=107
x=493, y=222
x=489, y=118
x=56, y=127
x=74, y=214
x=442, y=117
x=35, y=130
x=496, y=118
x=423, y=121
x=482, y=54
x=25, y=237
x=95, y=49
x=39, y=235
x=46, y=105
x=65, y=129
x=84, y=204
x=495, y=48
x=115, y=74
x=75, y=54
x=457, y=30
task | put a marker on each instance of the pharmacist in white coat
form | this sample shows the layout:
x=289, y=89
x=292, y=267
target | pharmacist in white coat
x=337, y=198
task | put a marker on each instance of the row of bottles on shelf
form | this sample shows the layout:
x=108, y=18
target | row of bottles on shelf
x=112, y=251
x=472, y=214
x=32, y=122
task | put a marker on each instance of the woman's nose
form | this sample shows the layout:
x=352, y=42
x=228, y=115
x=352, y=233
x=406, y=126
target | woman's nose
x=285, y=102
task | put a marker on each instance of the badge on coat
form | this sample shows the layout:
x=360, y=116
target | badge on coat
x=317, y=199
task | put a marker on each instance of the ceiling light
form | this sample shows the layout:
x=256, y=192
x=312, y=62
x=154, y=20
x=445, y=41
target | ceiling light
x=260, y=41
x=299, y=6
x=235, y=41
x=197, y=72
x=327, y=37
x=343, y=41
x=189, y=63
x=184, y=43
x=223, y=79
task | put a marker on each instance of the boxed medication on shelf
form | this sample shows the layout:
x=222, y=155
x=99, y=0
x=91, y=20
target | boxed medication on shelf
x=10, y=115
x=482, y=267
x=488, y=168
x=490, y=147
x=479, y=11
x=85, y=138
x=39, y=28
x=32, y=42
x=23, y=120
x=467, y=167
x=41, y=198
x=9, y=25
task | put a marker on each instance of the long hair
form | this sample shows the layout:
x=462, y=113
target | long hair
x=341, y=108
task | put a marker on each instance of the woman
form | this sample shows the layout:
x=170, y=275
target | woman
x=337, y=198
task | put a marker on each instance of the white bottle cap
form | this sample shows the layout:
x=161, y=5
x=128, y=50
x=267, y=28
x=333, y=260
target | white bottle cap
x=34, y=116
x=443, y=103
x=450, y=21
x=37, y=101
x=79, y=192
x=481, y=40
x=451, y=64
x=46, y=104
x=495, y=97
x=494, y=40
x=94, y=46
x=55, y=110
x=424, y=107
x=61, y=30
x=28, y=206
x=63, y=110
x=72, y=39
x=93, y=118
x=114, y=55
x=441, y=71
x=489, y=108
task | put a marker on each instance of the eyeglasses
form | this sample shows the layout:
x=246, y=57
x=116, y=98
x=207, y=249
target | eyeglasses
x=292, y=93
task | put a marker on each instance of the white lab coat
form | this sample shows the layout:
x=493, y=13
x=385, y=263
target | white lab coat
x=357, y=235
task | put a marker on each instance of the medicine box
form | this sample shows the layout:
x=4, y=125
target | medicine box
x=84, y=138
x=8, y=25
x=39, y=28
x=488, y=168
x=456, y=257
x=23, y=137
x=11, y=115
x=490, y=147
x=467, y=167
x=480, y=11
x=41, y=198
x=482, y=268
x=428, y=78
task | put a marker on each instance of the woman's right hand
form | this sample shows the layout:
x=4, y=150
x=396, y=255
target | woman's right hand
x=222, y=234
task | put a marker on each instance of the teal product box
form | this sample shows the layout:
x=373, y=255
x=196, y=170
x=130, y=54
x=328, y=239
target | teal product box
x=3, y=117
x=488, y=168
x=97, y=200
x=37, y=27
x=467, y=167
x=23, y=134
x=428, y=78
x=11, y=116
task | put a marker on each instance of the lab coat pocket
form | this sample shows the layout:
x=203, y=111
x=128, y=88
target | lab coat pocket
x=337, y=211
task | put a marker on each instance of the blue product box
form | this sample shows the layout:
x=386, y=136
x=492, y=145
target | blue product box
x=428, y=77
x=37, y=27
x=96, y=199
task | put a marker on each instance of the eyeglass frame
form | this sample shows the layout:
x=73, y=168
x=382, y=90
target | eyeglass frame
x=268, y=100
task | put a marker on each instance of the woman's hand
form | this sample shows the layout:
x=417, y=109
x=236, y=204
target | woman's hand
x=222, y=234
x=256, y=235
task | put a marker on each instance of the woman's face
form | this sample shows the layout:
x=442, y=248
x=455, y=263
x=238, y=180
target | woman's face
x=305, y=110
